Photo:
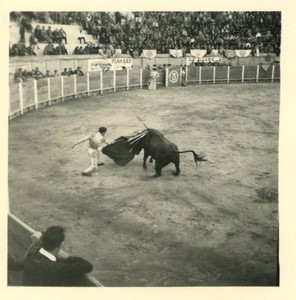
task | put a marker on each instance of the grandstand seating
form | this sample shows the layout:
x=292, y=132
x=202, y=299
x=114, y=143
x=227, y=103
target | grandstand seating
x=73, y=32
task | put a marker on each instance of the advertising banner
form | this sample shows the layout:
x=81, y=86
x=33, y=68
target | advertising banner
x=176, y=52
x=198, y=52
x=111, y=64
x=149, y=53
x=243, y=53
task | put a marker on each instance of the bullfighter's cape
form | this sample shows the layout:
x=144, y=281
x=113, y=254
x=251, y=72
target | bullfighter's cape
x=121, y=151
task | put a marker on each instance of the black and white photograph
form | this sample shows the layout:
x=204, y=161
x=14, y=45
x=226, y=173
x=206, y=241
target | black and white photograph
x=143, y=148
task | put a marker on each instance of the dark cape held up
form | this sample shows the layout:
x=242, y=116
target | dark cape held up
x=122, y=150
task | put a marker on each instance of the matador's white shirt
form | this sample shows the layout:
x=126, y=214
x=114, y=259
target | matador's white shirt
x=96, y=140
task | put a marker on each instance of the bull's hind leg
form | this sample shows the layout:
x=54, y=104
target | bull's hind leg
x=177, y=164
x=158, y=168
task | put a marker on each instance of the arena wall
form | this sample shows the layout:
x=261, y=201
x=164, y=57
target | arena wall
x=60, y=62
x=33, y=94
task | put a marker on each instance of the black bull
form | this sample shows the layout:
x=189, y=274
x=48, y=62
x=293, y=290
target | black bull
x=154, y=144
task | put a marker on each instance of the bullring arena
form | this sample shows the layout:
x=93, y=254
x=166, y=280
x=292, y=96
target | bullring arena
x=214, y=225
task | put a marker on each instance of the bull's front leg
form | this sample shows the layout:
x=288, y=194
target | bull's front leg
x=144, y=159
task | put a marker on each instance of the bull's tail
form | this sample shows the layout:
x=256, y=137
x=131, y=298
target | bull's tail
x=197, y=157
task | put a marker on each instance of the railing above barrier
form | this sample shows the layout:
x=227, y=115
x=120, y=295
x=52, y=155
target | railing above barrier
x=32, y=94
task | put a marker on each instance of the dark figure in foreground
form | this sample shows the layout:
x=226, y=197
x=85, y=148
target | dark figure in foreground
x=44, y=265
x=154, y=144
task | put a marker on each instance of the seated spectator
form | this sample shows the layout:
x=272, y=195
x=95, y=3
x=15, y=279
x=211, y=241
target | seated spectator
x=78, y=50
x=55, y=73
x=49, y=50
x=49, y=33
x=18, y=76
x=36, y=74
x=47, y=74
x=79, y=72
x=86, y=49
x=70, y=72
x=26, y=74
x=19, y=49
x=56, y=36
x=63, y=35
x=43, y=264
x=65, y=72
x=110, y=50
x=61, y=49
x=45, y=37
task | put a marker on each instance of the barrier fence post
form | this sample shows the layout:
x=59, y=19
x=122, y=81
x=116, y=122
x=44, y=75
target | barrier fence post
x=114, y=81
x=87, y=83
x=75, y=85
x=101, y=81
x=141, y=78
x=35, y=93
x=214, y=75
x=257, y=74
x=272, y=73
x=228, y=73
x=127, y=79
x=199, y=74
x=62, y=88
x=21, y=98
x=180, y=77
x=166, y=77
x=243, y=73
x=48, y=91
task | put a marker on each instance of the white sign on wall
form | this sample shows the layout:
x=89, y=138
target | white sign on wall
x=112, y=64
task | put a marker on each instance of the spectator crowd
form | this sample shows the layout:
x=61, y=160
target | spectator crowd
x=22, y=75
x=131, y=32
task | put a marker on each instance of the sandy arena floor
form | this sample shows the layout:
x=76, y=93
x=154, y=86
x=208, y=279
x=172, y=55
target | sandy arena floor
x=216, y=225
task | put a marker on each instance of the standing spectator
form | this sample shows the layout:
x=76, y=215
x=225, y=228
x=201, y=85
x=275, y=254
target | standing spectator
x=30, y=50
x=153, y=77
x=33, y=41
x=183, y=77
x=44, y=266
x=24, y=26
x=55, y=73
x=38, y=34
